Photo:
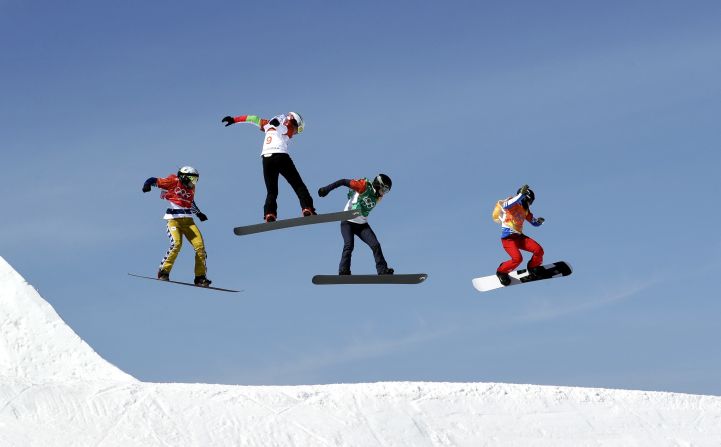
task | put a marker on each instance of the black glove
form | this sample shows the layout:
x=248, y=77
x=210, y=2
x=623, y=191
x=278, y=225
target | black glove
x=322, y=192
x=274, y=122
x=149, y=183
x=524, y=189
x=201, y=216
x=228, y=120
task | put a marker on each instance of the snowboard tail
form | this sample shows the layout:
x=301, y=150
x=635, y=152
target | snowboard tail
x=296, y=222
x=184, y=283
x=554, y=270
x=413, y=278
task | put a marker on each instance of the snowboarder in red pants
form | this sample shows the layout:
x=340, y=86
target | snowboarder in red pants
x=511, y=213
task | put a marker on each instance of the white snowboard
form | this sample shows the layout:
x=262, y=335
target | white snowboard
x=486, y=283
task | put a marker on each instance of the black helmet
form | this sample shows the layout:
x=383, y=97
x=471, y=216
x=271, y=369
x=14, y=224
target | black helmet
x=382, y=184
x=529, y=195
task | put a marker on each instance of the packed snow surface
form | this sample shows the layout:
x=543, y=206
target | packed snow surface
x=56, y=391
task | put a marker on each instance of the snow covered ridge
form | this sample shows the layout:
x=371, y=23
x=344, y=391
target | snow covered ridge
x=36, y=344
x=56, y=391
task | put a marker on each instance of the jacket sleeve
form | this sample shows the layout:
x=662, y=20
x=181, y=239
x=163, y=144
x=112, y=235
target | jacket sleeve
x=342, y=182
x=252, y=119
x=358, y=186
x=512, y=201
x=533, y=221
x=165, y=183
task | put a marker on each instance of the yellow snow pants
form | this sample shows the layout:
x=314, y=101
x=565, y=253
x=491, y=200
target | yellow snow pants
x=177, y=228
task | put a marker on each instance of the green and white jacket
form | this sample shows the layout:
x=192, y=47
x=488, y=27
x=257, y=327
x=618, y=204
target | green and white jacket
x=363, y=197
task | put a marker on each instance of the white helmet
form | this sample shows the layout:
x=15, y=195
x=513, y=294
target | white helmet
x=188, y=175
x=298, y=119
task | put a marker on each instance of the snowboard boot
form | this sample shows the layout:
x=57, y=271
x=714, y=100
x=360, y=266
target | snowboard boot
x=344, y=272
x=386, y=271
x=309, y=212
x=504, y=278
x=202, y=281
x=536, y=273
x=163, y=275
x=270, y=217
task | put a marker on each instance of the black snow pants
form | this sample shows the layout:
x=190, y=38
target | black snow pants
x=351, y=229
x=281, y=164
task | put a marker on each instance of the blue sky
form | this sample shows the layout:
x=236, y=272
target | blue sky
x=609, y=111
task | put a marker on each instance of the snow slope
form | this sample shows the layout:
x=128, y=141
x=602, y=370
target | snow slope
x=35, y=344
x=56, y=391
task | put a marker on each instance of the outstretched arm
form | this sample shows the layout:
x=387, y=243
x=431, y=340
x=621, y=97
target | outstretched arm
x=356, y=185
x=252, y=119
x=325, y=190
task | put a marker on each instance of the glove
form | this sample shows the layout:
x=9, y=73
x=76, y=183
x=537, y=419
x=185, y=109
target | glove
x=540, y=220
x=524, y=189
x=201, y=216
x=322, y=192
x=149, y=183
x=228, y=120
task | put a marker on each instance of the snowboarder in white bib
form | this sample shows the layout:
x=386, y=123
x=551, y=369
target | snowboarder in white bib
x=511, y=213
x=364, y=195
x=179, y=190
x=276, y=159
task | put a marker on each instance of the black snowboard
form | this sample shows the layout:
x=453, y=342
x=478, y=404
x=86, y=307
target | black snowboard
x=295, y=222
x=414, y=278
x=184, y=283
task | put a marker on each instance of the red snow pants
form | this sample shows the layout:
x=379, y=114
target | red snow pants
x=513, y=245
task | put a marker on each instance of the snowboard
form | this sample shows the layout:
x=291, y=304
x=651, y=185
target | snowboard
x=414, y=278
x=184, y=283
x=486, y=283
x=296, y=222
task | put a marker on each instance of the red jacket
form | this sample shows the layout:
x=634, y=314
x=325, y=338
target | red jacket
x=175, y=192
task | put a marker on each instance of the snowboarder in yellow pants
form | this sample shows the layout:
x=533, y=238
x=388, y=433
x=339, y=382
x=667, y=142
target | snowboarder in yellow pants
x=179, y=190
x=177, y=228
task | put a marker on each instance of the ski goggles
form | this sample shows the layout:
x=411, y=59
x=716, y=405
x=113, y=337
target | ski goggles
x=380, y=188
x=189, y=179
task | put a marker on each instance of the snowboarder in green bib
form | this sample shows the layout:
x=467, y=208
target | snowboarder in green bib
x=364, y=195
